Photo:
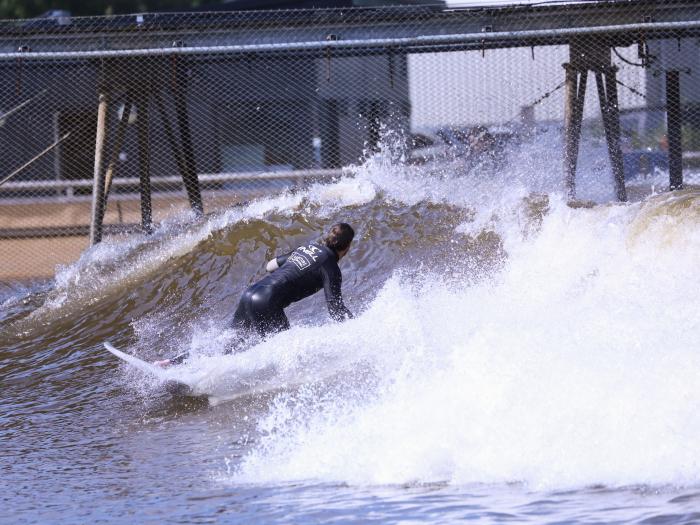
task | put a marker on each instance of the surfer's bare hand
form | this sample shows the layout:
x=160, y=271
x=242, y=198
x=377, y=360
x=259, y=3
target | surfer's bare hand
x=163, y=364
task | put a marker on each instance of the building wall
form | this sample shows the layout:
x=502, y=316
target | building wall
x=244, y=114
x=682, y=55
x=464, y=88
x=369, y=94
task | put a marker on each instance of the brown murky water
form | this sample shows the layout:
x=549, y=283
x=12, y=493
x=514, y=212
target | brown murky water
x=513, y=359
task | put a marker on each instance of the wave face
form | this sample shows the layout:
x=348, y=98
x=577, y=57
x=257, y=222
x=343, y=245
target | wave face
x=500, y=334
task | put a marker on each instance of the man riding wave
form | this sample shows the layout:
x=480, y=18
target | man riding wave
x=293, y=276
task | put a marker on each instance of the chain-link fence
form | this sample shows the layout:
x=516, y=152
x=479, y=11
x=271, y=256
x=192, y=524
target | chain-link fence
x=110, y=124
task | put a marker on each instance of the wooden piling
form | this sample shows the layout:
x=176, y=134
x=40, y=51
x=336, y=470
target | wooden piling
x=98, y=174
x=673, y=124
x=114, y=158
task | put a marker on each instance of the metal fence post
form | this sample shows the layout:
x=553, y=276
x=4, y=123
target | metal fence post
x=142, y=125
x=189, y=176
x=673, y=123
x=607, y=95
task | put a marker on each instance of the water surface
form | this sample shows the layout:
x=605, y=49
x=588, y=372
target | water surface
x=513, y=359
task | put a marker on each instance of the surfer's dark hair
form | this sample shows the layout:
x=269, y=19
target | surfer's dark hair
x=339, y=237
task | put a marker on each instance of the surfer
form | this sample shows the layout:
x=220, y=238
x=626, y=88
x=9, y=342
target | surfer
x=293, y=276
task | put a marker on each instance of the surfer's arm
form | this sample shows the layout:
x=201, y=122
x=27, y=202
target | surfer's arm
x=277, y=262
x=332, y=284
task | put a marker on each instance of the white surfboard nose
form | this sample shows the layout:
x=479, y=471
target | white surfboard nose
x=152, y=369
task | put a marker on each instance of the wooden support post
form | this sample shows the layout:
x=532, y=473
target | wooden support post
x=142, y=125
x=98, y=174
x=673, y=124
x=606, y=82
x=576, y=80
x=189, y=175
x=116, y=148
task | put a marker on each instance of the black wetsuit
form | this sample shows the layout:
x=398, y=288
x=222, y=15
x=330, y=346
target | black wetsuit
x=301, y=273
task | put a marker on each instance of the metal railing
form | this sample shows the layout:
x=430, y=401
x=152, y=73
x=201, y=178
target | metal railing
x=174, y=183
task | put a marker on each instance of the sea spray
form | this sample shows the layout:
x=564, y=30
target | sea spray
x=501, y=335
x=577, y=366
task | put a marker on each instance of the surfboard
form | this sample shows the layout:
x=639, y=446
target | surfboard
x=174, y=386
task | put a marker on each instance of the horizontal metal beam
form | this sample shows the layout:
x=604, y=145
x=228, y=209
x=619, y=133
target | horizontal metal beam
x=175, y=182
x=40, y=232
x=268, y=24
x=505, y=38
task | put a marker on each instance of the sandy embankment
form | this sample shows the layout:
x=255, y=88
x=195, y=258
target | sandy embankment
x=39, y=234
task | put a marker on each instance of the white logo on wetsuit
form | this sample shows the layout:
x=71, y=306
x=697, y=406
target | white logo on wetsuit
x=300, y=260
x=311, y=251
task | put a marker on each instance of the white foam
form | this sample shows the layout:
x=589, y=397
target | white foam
x=347, y=191
x=577, y=366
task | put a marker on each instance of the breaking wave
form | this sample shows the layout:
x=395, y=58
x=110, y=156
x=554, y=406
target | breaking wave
x=502, y=335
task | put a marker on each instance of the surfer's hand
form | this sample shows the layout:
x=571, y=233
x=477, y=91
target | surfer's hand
x=163, y=364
